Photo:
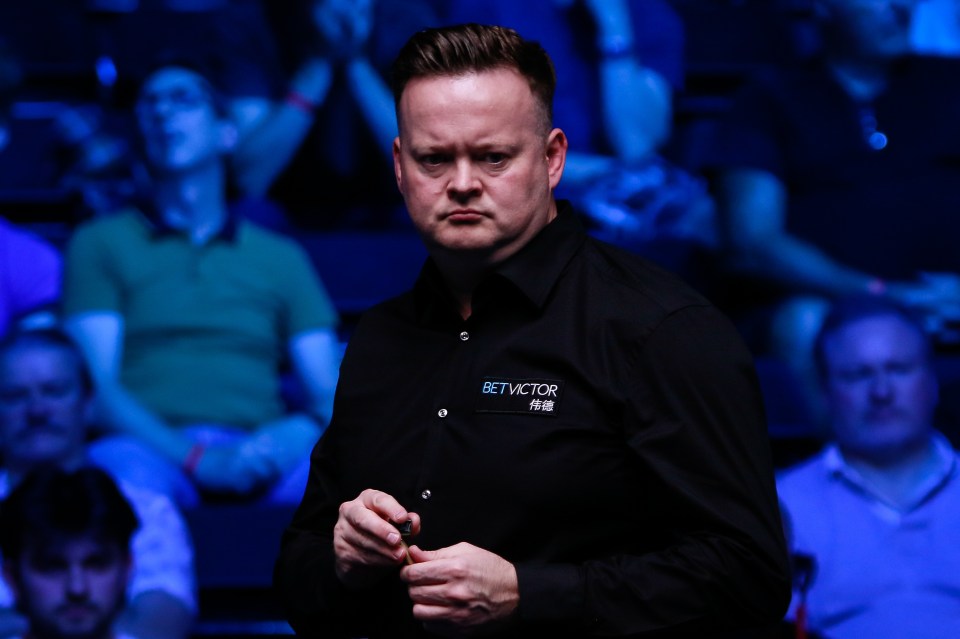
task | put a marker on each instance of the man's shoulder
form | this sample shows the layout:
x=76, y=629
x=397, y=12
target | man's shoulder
x=805, y=479
x=637, y=279
x=126, y=223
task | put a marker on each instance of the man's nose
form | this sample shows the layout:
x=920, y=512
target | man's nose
x=38, y=408
x=464, y=181
x=78, y=582
x=881, y=386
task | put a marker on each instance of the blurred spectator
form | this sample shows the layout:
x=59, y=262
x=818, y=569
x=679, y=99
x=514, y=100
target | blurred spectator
x=838, y=175
x=879, y=509
x=185, y=314
x=622, y=62
x=66, y=544
x=44, y=396
x=80, y=78
x=29, y=279
x=324, y=151
x=29, y=266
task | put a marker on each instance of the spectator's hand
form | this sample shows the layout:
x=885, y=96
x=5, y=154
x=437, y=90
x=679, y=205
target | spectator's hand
x=286, y=442
x=364, y=539
x=344, y=25
x=240, y=468
x=936, y=296
x=313, y=79
x=612, y=19
x=461, y=590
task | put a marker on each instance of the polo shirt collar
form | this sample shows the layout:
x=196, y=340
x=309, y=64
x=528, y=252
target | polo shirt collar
x=536, y=267
x=159, y=227
x=533, y=270
x=946, y=469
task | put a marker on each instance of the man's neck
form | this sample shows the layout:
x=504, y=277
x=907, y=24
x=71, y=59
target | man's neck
x=462, y=274
x=17, y=470
x=899, y=479
x=193, y=203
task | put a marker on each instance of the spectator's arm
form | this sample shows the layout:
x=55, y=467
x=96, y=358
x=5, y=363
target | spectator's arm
x=100, y=337
x=637, y=100
x=316, y=358
x=267, y=147
x=753, y=212
x=375, y=101
x=162, y=592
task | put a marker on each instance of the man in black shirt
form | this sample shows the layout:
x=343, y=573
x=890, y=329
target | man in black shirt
x=575, y=437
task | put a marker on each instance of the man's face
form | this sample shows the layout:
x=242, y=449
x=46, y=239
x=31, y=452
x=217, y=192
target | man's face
x=42, y=405
x=178, y=121
x=877, y=29
x=880, y=388
x=475, y=163
x=74, y=590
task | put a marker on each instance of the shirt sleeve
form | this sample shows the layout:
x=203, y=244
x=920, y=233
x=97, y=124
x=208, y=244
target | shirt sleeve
x=696, y=426
x=90, y=280
x=162, y=550
x=307, y=302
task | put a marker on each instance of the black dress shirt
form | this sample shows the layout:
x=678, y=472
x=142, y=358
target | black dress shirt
x=595, y=422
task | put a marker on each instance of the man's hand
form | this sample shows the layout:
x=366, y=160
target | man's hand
x=239, y=468
x=364, y=539
x=461, y=590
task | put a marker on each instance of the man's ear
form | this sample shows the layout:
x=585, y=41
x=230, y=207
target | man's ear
x=556, y=155
x=10, y=574
x=397, y=171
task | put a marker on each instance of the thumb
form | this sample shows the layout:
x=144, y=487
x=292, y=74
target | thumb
x=418, y=555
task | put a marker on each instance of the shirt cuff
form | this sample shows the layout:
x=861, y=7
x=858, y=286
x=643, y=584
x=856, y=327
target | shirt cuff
x=551, y=593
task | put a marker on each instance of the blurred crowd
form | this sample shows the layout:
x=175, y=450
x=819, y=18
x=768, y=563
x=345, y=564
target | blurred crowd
x=162, y=160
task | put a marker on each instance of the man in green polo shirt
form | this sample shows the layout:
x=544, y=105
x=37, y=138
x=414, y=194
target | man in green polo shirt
x=186, y=312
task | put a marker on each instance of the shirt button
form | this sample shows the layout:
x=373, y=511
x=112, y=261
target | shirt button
x=426, y=494
x=442, y=412
x=464, y=336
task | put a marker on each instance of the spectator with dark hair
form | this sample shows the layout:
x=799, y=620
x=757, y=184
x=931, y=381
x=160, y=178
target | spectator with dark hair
x=878, y=509
x=65, y=538
x=45, y=392
x=186, y=313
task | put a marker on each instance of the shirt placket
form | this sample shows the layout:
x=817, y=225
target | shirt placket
x=447, y=412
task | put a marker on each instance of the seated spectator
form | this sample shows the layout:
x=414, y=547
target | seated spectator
x=878, y=509
x=324, y=151
x=837, y=176
x=185, y=314
x=45, y=392
x=65, y=538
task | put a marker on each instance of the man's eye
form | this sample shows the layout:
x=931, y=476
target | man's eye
x=432, y=159
x=495, y=159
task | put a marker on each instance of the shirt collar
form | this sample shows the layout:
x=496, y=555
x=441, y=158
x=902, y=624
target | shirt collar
x=533, y=270
x=159, y=227
x=946, y=468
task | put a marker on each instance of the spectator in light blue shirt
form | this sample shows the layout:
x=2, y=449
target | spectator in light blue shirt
x=879, y=508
